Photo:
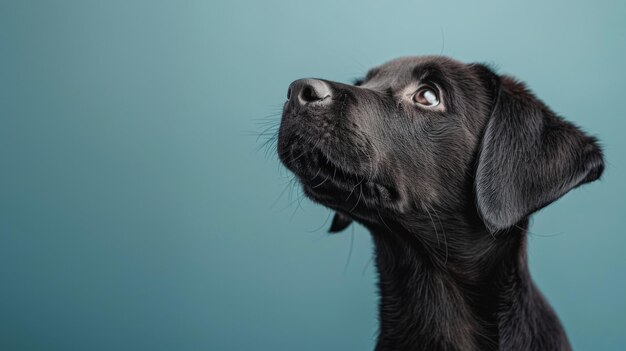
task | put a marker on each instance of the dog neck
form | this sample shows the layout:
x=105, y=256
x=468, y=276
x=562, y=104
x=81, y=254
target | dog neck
x=448, y=284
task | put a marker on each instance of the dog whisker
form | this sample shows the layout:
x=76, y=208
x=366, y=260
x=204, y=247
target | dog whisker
x=445, y=240
x=540, y=235
x=367, y=264
x=298, y=200
x=383, y=221
x=354, y=187
x=287, y=186
x=316, y=174
x=323, y=224
x=320, y=184
x=433, y=223
x=345, y=267
x=360, y=194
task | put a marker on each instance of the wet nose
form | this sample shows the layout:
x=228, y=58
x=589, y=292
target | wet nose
x=303, y=92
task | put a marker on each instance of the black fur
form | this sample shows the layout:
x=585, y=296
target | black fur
x=446, y=193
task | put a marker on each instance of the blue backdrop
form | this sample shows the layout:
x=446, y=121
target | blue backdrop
x=136, y=212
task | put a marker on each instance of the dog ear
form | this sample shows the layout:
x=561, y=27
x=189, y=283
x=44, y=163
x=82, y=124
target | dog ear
x=529, y=157
x=340, y=222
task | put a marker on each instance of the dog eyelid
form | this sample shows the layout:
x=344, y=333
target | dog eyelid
x=427, y=96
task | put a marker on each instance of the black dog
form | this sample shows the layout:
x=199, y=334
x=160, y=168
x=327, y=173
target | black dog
x=443, y=162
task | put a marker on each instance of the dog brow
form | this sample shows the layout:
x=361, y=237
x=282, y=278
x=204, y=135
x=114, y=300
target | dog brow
x=371, y=73
x=428, y=70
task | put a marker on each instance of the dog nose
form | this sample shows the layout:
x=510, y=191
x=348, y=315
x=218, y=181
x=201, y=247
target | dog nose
x=306, y=91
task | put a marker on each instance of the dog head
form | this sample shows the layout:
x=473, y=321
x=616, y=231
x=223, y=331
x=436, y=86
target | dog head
x=421, y=132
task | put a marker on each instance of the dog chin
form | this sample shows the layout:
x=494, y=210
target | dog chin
x=338, y=185
x=339, y=189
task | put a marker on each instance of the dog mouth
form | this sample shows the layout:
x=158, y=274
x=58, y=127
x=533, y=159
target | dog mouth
x=336, y=184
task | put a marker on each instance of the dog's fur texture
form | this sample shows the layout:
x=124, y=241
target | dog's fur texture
x=445, y=192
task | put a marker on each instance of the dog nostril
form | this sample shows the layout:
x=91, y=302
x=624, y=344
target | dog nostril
x=305, y=91
x=309, y=94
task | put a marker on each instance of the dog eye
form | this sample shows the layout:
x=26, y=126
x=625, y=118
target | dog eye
x=426, y=96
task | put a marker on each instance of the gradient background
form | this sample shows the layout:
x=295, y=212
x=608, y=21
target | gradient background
x=138, y=213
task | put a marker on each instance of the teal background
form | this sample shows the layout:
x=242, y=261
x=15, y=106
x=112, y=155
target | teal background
x=138, y=210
